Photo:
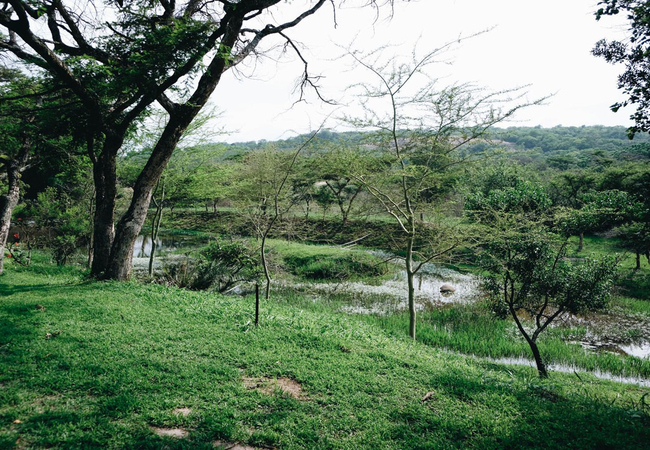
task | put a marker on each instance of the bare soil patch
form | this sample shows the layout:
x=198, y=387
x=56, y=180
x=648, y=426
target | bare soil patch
x=231, y=446
x=182, y=411
x=178, y=433
x=268, y=386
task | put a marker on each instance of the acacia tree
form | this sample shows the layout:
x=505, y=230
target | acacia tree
x=528, y=272
x=147, y=51
x=418, y=135
x=265, y=190
x=33, y=129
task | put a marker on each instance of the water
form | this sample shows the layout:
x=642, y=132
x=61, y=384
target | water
x=165, y=244
x=565, y=368
x=391, y=296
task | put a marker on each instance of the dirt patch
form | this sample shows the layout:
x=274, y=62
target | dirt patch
x=231, y=446
x=178, y=433
x=268, y=386
x=182, y=411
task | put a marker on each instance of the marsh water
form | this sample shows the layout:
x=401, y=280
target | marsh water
x=604, y=332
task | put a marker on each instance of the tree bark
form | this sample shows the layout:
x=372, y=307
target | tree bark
x=128, y=228
x=9, y=201
x=582, y=241
x=155, y=227
x=541, y=367
x=411, y=287
x=105, y=178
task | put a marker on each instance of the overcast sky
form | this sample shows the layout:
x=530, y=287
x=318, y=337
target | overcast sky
x=546, y=45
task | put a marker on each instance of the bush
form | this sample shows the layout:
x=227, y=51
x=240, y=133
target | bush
x=324, y=266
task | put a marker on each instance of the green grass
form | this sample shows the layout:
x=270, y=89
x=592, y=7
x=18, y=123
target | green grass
x=124, y=356
x=471, y=330
x=319, y=262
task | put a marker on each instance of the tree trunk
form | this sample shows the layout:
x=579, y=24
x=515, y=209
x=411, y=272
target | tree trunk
x=7, y=204
x=541, y=367
x=130, y=225
x=265, y=267
x=155, y=226
x=638, y=261
x=411, y=286
x=105, y=178
x=582, y=241
x=91, y=239
x=9, y=201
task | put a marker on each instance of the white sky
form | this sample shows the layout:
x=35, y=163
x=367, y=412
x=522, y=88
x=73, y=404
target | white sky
x=545, y=44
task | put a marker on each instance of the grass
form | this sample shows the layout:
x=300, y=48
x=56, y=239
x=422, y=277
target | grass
x=319, y=262
x=633, y=283
x=122, y=356
x=469, y=329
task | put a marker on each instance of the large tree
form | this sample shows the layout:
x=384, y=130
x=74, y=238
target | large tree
x=634, y=54
x=118, y=58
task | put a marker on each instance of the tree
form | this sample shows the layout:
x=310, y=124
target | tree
x=121, y=58
x=34, y=119
x=419, y=132
x=265, y=191
x=634, y=55
x=528, y=273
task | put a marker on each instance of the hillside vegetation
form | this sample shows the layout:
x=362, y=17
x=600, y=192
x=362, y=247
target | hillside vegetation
x=114, y=365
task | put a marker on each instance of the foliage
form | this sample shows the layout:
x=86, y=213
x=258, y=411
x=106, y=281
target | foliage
x=525, y=197
x=528, y=272
x=633, y=54
x=221, y=265
x=66, y=220
x=330, y=263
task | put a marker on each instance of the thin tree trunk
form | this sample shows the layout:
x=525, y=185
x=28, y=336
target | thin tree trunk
x=9, y=201
x=582, y=241
x=411, y=287
x=265, y=267
x=7, y=204
x=541, y=367
x=105, y=178
x=92, y=232
x=155, y=227
x=638, y=261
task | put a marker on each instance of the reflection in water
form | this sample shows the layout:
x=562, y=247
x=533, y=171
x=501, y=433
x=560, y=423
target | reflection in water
x=164, y=244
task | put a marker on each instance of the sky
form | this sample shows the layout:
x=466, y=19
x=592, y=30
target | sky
x=545, y=46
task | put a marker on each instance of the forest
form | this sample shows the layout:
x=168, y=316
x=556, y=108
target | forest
x=421, y=275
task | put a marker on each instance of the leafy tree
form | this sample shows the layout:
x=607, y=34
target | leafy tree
x=635, y=236
x=634, y=55
x=332, y=168
x=34, y=119
x=121, y=58
x=528, y=273
x=266, y=195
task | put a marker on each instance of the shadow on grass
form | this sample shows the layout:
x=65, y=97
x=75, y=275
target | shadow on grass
x=542, y=418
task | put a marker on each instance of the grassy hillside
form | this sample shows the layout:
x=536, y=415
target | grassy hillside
x=119, y=365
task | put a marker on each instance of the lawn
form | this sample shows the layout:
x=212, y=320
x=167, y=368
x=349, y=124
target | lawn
x=119, y=365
